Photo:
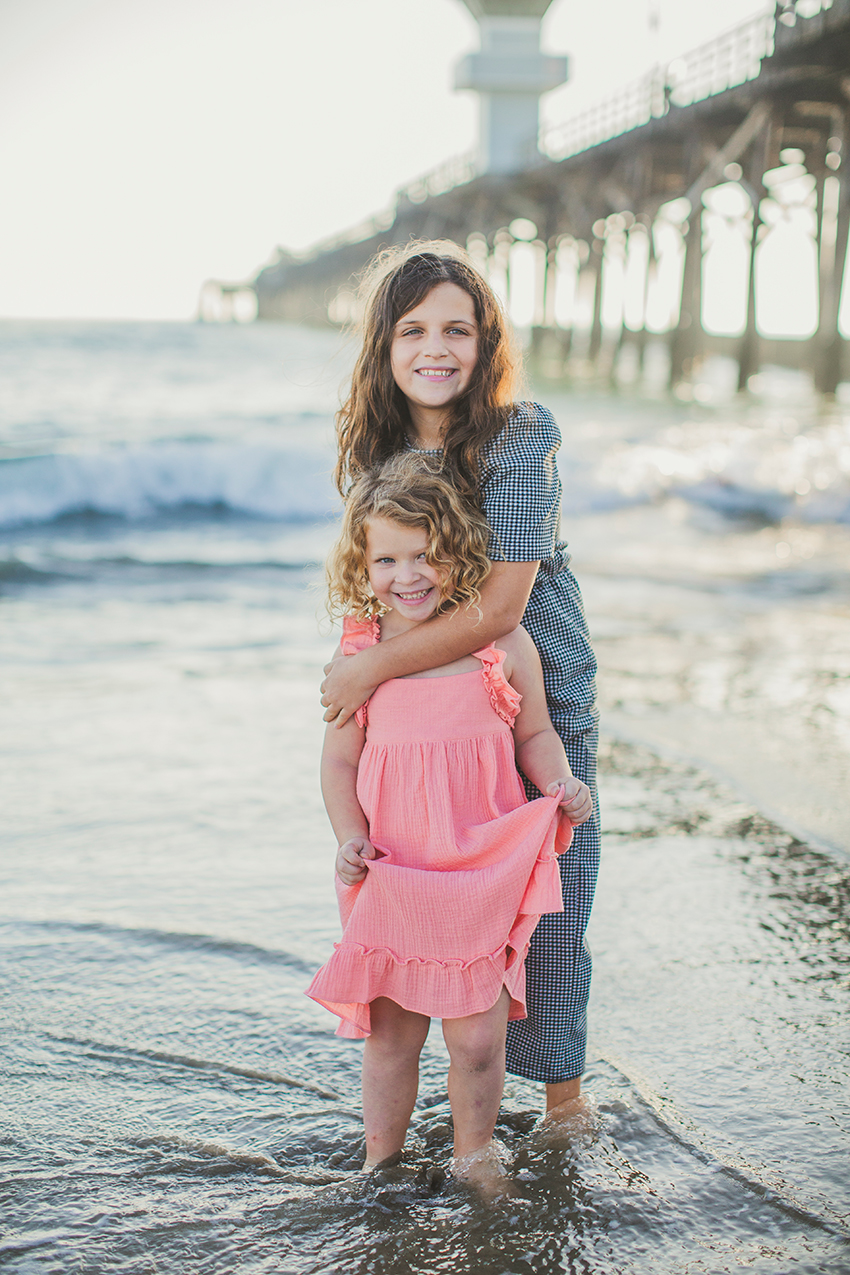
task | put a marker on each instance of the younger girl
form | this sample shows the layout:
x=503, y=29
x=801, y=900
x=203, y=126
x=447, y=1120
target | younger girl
x=444, y=866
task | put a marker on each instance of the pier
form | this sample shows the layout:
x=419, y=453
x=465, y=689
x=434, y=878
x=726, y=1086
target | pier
x=762, y=106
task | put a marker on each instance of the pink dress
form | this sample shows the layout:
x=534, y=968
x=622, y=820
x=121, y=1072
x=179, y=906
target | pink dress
x=466, y=864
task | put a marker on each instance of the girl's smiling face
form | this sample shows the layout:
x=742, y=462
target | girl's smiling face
x=433, y=355
x=400, y=576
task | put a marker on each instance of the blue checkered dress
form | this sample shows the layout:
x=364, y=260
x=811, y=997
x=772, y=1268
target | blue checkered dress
x=521, y=498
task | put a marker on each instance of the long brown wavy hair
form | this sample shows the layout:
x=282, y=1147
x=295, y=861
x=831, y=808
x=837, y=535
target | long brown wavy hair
x=409, y=489
x=374, y=422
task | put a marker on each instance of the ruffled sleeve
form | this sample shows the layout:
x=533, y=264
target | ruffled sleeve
x=503, y=697
x=356, y=636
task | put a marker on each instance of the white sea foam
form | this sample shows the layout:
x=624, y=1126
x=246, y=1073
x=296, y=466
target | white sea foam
x=739, y=472
x=762, y=469
x=140, y=482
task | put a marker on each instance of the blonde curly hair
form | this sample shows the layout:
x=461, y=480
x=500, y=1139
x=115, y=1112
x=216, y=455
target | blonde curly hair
x=412, y=491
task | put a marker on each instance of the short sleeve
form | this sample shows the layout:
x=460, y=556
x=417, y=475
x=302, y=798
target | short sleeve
x=358, y=634
x=505, y=698
x=521, y=487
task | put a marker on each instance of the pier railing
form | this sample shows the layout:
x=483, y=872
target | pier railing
x=731, y=58
x=454, y=172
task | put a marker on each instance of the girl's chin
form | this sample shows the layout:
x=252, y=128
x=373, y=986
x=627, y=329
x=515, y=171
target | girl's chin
x=416, y=613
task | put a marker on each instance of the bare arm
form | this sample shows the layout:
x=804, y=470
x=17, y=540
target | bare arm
x=539, y=752
x=504, y=596
x=340, y=758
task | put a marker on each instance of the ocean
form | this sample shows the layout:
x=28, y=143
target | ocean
x=171, y=1099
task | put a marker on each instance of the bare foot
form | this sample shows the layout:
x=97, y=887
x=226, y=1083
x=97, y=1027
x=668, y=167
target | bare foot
x=485, y=1170
x=572, y=1122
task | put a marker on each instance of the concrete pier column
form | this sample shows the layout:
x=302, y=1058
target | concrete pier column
x=684, y=338
x=541, y=271
x=550, y=282
x=759, y=161
x=649, y=279
x=596, y=266
x=509, y=74
x=748, y=350
x=566, y=298
x=500, y=266
x=834, y=231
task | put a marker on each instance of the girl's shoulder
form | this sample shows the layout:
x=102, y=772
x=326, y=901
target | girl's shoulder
x=517, y=645
x=530, y=431
x=531, y=416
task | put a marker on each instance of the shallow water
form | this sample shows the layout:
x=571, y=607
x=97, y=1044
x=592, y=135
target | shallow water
x=172, y=1100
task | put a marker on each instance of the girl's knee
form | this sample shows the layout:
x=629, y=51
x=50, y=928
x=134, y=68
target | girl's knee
x=478, y=1053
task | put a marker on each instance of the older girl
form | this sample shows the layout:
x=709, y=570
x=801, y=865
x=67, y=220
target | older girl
x=436, y=374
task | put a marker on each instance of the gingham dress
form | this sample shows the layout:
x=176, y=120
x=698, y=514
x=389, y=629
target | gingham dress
x=521, y=498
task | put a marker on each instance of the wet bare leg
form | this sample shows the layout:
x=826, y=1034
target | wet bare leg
x=569, y=1116
x=476, y=1046
x=563, y=1099
x=390, y=1077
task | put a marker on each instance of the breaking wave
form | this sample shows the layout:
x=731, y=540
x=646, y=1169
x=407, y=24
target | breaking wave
x=142, y=482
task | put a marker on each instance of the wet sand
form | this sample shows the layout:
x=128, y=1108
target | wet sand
x=721, y=958
x=733, y=663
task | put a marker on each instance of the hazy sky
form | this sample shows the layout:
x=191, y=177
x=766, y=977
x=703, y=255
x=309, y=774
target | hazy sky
x=147, y=146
